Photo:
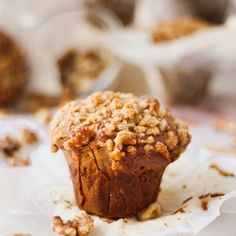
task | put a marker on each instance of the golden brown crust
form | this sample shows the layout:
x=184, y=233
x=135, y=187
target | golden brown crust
x=117, y=147
x=13, y=69
x=117, y=120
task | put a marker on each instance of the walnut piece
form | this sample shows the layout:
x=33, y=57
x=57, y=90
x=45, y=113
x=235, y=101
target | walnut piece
x=151, y=212
x=78, y=226
x=29, y=137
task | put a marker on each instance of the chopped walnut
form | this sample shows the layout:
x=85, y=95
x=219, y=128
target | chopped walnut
x=11, y=150
x=9, y=146
x=124, y=120
x=151, y=212
x=131, y=149
x=78, y=226
x=29, y=137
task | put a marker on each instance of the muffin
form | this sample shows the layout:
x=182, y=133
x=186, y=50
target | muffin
x=185, y=85
x=78, y=70
x=184, y=82
x=13, y=70
x=171, y=30
x=117, y=147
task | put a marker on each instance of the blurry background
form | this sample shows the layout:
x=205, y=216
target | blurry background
x=182, y=52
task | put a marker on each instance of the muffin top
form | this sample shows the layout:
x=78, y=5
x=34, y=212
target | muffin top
x=120, y=122
x=170, y=30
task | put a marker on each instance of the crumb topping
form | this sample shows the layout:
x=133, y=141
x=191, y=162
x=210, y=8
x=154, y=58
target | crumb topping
x=170, y=30
x=78, y=226
x=122, y=123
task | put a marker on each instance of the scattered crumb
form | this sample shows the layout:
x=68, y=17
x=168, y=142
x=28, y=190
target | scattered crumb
x=212, y=195
x=225, y=126
x=125, y=221
x=206, y=198
x=29, y=137
x=68, y=204
x=204, y=202
x=109, y=221
x=184, y=186
x=78, y=226
x=10, y=148
x=151, y=212
x=178, y=218
x=188, y=199
x=180, y=210
x=220, y=171
x=43, y=116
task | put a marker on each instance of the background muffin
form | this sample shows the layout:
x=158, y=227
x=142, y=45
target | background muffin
x=117, y=147
x=13, y=70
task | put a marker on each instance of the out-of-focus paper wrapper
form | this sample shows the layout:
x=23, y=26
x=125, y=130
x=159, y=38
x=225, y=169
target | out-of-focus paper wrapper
x=210, y=51
x=31, y=196
x=49, y=34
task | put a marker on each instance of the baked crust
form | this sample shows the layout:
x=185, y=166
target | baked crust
x=117, y=169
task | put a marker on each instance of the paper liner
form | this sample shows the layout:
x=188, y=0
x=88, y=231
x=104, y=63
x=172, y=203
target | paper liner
x=41, y=191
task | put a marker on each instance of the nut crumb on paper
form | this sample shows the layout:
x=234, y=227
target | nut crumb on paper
x=207, y=197
x=221, y=171
x=151, y=212
x=180, y=210
x=78, y=226
x=29, y=137
x=10, y=148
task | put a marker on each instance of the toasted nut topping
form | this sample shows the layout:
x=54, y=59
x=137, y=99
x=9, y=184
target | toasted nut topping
x=151, y=212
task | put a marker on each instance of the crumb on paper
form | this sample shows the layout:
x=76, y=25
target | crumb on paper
x=43, y=116
x=125, y=221
x=180, y=210
x=225, y=126
x=207, y=197
x=78, y=226
x=186, y=200
x=165, y=224
x=68, y=204
x=109, y=221
x=184, y=186
x=221, y=171
x=151, y=212
x=29, y=137
x=10, y=148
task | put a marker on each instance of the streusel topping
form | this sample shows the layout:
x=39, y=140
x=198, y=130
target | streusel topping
x=121, y=122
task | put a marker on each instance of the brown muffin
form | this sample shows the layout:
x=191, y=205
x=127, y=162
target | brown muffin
x=117, y=147
x=78, y=70
x=171, y=30
x=13, y=70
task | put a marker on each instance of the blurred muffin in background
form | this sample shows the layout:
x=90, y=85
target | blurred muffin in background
x=14, y=71
x=185, y=85
x=122, y=9
x=185, y=82
x=171, y=30
x=78, y=70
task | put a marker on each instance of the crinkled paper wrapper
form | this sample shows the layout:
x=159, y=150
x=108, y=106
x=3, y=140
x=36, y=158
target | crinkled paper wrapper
x=31, y=196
